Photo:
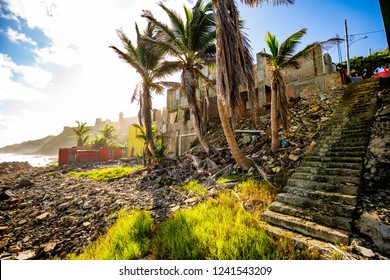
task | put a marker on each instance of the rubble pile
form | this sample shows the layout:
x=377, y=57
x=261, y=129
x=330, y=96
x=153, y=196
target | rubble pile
x=374, y=202
x=308, y=117
x=10, y=168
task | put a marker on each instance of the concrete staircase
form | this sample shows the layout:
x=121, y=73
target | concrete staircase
x=319, y=201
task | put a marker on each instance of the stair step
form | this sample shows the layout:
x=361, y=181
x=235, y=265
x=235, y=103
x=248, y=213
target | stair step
x=307, y=227
x=333, y=179
x=318, y=217
x=338, y=154
x=332, y=142
x=326, y=196
x=336, y=209
x=347, y=133
x=328, y=171
x=340, y=149
x=308, y=242
x=347, y=165
x=334, y=159
x=325, y=187
x=343, y=138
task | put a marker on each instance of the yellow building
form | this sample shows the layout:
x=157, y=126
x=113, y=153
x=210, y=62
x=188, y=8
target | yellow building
x=136, y=144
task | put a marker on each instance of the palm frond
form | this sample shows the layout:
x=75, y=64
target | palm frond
x=288, y=47
x=177, y=23
x=254, y=3
x=171, y=85
x=165, y=37
x=273, y=44
x=235, y=66
x=167, y=68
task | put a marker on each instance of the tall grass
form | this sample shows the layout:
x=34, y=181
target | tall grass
x=105, y=174
x=218, y=229
x=195, y=187
x=127, y=239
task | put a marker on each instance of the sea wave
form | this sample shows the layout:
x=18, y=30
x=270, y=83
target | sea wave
x=33, y=160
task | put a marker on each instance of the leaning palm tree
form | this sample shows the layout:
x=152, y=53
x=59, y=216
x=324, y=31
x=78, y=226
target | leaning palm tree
x=146, y=60
x=234, y=67
x=192, y=43
x=80, y=132
x=284, y=56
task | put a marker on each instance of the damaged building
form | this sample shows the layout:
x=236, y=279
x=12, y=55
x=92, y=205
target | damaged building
x=317, y=76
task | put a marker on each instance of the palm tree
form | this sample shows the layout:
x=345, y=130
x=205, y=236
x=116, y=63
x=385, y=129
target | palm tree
x=192, y=43
x=80, y=131
x=108, y=136
x=282, y=57
x=234, y=67
x=146, y=60
x=98, y=142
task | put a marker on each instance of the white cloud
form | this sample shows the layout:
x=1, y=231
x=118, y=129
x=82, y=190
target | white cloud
x=21, y=82
x=15, y=36
x=64, y=56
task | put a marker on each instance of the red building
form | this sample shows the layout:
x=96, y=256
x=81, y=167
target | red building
x=89, y=155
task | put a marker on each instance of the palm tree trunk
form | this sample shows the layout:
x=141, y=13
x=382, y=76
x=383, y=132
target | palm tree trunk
x=147, y=116
x=244, y=162
x=275, y=143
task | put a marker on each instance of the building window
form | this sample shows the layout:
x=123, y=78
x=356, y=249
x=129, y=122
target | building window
x=187, y=115
x=110, y=153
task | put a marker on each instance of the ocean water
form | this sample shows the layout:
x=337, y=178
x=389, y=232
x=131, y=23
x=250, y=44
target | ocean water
x=33, y=160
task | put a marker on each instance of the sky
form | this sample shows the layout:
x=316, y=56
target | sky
x=56, y=66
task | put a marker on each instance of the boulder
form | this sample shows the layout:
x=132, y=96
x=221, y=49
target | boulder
x=370, y=225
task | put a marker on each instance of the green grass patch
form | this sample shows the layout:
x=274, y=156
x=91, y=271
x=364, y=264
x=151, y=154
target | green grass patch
x=127, y=239
x=105, y=174
x=228, y=179
x=195, y=187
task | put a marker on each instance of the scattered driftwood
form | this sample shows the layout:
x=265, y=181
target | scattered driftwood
x=345, y=254
x=264, y=175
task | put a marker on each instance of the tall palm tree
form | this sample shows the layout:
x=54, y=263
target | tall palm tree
x=80, y=131
x=146, y=60
x=234, y=67
x=284, y=56
x=192, y=42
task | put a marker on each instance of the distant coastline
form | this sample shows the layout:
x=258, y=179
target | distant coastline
x=33, y=160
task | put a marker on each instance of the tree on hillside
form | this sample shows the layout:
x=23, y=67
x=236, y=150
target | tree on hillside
x=108, y=135
x=284, y=56
x=81, y=133
x=192, y=42
x=146, y=60
x=366, y=66
x=234, y=67
x=98, y=142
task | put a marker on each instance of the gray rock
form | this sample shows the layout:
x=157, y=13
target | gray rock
x=368, y=253
x=26, y=255
x=43, y=216
x=371, y=225
x=25, y=183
